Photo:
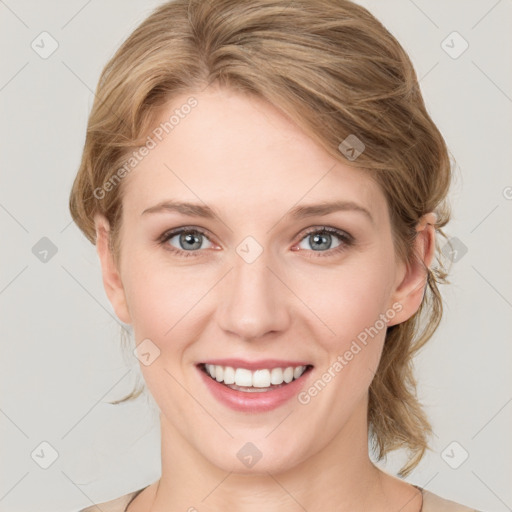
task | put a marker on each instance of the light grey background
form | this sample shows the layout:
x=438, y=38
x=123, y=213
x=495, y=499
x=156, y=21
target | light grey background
x=61, y=359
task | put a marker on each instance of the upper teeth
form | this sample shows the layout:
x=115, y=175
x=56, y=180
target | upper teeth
x=258, y=379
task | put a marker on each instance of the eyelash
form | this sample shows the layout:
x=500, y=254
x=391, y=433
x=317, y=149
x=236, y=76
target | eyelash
x=345, y=238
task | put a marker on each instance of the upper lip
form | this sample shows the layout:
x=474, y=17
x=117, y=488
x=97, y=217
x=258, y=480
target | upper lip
x=256, y=365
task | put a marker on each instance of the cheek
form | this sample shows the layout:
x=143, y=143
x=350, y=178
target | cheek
x=346, y=299
x=165, y=307
x=163, y=299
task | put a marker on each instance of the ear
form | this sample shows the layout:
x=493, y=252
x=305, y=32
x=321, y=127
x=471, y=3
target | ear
x=412, y=281
x=111, y=277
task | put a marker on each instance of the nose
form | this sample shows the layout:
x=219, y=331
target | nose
x=253, y=301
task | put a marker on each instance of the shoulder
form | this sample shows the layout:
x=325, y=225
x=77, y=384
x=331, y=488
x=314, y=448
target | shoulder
x=431, y=503
x=434, y=503
x=116, y=505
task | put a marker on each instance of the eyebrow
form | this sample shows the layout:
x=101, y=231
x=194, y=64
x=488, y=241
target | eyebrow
x=191, y=209
x=299, y=212
x=325, y=208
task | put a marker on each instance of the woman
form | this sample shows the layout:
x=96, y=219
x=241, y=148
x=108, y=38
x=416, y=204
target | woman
x=264, y=187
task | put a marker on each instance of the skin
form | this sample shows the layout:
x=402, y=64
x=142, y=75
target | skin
x=251, y=164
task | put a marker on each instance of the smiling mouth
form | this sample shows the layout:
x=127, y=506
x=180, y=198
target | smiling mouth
x=258, y=381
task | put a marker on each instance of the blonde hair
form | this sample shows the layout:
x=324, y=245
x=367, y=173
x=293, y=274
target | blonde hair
x=335, y=70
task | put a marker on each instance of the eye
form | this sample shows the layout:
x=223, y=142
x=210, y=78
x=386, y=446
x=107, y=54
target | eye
x=185, y=240
x=325, y=239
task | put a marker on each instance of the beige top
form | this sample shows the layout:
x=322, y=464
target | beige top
x=431, y=503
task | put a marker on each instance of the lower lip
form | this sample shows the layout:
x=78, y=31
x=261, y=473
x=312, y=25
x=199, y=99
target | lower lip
x=257, y=401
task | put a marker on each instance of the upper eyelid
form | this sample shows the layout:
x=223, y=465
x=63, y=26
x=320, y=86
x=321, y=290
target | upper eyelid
x=328, y=229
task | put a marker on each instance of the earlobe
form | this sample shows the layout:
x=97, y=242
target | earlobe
x=411, y=288
x=110, y=273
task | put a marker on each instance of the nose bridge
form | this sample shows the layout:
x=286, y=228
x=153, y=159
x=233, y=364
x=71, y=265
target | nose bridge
x=253, y=300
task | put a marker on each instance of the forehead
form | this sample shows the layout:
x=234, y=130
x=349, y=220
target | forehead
x=236, y=150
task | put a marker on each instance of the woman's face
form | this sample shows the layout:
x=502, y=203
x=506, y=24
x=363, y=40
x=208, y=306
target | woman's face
x=253, y=283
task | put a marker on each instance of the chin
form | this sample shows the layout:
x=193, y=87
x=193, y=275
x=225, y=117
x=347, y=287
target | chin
x=245, y=457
